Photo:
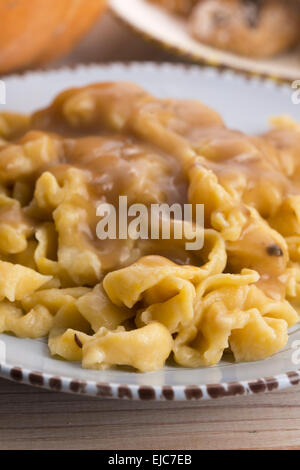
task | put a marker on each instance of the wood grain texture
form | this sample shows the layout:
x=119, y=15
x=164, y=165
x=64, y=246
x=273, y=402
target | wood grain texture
x=31, y=418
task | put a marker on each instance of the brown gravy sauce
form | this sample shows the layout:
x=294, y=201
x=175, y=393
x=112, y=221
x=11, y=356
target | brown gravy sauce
x=128, y=143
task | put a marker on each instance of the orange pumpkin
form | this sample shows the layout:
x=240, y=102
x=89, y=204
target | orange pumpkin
x=33, y=32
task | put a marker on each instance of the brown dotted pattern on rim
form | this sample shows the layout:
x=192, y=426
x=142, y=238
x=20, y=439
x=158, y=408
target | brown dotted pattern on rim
x=104, y=390
x=193, y=393
x=36, y=378
x=168, y=393
x=293, y=377
x=219, y=391
x=257, y=386
x=124, y=392
x=146, y=392
x=77, y=386
x=271, y=383
x=16, y=374
x=55, y=383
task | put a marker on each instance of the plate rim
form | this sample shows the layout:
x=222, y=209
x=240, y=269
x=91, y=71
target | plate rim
x=115, y=390
x=134, y=392
x=191, y=56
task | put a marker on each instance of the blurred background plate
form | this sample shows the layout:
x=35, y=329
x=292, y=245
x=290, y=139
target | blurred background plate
x=171, y=33
x=245, y=104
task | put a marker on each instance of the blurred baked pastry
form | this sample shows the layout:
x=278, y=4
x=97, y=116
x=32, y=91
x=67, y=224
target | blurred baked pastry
x=257, y=28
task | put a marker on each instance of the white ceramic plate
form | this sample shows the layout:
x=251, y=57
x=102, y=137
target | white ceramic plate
x=246, y=105
x=171, y=32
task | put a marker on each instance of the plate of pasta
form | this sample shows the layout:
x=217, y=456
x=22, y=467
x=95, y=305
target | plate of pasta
x=258, y=37
x=149, y=315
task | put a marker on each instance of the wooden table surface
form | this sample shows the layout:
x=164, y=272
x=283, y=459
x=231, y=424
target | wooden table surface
x=32, y=418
